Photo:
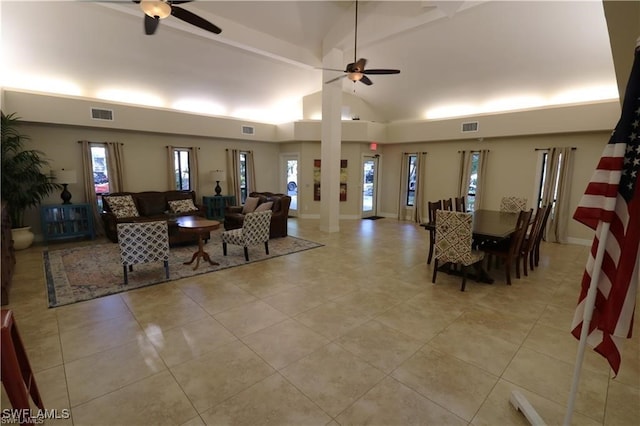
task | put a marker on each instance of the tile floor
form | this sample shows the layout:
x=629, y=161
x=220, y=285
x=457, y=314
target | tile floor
x=351, y=333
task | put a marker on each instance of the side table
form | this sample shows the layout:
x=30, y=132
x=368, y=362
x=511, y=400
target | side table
x=214, y=205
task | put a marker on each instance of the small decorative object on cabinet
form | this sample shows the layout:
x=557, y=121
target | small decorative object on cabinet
x=65, y=221
x=214, y=206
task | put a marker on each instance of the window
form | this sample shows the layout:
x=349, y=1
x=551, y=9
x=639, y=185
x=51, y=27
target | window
x=181, y=167
x=243, y=176
x=543, y=178
x=100, y=171
x=411, y=179
x=473, y=181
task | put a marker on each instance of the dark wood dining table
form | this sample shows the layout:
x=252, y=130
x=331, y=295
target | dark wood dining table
x=488, y=225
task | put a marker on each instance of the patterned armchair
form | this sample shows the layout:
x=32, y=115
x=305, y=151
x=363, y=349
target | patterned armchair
x=453, y=242
x=255, y=230
x=143, y=242
x=513, y=204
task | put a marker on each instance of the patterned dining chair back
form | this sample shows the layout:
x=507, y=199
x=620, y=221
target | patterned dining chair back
x=454, y=233
x=513, y=204
x=143, y=242
x=255, y=230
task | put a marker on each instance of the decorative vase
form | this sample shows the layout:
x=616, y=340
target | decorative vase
x=22, y=237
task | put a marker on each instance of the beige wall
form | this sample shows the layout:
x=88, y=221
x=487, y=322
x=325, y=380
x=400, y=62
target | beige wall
x=512, y=161
x=512, y=169
x=145, y=158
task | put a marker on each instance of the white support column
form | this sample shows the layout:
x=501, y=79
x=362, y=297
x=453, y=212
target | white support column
x=331, y=141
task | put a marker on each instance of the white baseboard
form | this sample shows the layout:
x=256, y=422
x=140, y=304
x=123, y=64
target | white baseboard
x=579, y=241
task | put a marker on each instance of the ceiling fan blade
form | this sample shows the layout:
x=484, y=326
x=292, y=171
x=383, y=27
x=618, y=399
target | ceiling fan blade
x=329, y=69
x=359, y=66
x=179, y=1
x=335, y=79
x=381, y=71
x=150, y=24
x=194, y=19
x=366, y=80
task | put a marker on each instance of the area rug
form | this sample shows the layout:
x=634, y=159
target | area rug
x=87, y=272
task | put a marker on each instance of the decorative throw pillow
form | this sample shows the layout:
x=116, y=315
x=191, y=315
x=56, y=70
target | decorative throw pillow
x=264, y=206
x=250, y=205
x=182, y=206
x=122, y=206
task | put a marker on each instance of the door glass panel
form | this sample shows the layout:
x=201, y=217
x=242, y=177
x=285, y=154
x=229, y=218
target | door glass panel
x=369, y=181
x=292, y=183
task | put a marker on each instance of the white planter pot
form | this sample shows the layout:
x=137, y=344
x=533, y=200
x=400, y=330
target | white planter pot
x=22, y=237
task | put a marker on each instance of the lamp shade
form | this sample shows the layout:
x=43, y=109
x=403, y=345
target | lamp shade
x=65, y=176
x=217, y=175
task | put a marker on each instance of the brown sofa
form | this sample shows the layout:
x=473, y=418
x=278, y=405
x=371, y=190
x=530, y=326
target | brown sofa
x=234, y=218
x=151, y=205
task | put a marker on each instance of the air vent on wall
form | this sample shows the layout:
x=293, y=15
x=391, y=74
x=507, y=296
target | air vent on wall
x=102, y=114
x=471, y=126
x=248, y=130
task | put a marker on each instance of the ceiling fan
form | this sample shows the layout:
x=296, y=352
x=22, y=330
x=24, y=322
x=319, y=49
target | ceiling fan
x=355, y=71
x=155, y=10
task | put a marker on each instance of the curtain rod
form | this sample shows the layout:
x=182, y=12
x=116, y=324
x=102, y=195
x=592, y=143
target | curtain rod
x=119, y=143
x=476, y=150
x=573, y=148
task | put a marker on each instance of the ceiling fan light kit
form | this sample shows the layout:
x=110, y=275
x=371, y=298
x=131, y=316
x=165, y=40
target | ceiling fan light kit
x=155, y=8
x=355, y=71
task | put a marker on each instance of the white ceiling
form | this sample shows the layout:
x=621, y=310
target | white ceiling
x=473, y=54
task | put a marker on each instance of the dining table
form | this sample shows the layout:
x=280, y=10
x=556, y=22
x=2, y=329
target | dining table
x=487, y=225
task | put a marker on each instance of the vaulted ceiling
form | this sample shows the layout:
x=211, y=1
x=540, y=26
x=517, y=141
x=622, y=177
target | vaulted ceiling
x=455, y=56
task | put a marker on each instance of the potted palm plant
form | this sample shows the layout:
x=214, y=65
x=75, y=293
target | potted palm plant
x=24, y=185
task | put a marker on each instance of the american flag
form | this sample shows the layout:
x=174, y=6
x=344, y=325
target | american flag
x=612, y=197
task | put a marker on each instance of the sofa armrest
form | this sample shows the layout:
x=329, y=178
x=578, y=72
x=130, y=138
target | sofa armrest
x=233, y=209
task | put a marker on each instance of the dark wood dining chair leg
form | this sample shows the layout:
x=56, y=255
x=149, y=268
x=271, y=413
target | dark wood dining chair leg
x=507, y=272
x=435, y=271
x=432, y=238
x=524, y=265
x=531, y=260
x=518, y=267
x=464, y=278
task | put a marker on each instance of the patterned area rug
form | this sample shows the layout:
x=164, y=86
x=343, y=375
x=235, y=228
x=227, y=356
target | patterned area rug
x=84, y=273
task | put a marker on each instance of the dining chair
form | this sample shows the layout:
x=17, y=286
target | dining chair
x=143, y=242
x=432, y=207
x=447, y=204
x=535, y=255
x=255, y=230
x=460, y=204
x=509, y=250
x=529, y=242
x=453, y=243
x=513, y=204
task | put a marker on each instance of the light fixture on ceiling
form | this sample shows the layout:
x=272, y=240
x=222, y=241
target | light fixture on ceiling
x=355, y=76
x=154, y=8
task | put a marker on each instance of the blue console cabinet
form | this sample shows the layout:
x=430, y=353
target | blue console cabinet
x=66, y=221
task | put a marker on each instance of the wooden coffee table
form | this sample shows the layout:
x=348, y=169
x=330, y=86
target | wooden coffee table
x=202, y=227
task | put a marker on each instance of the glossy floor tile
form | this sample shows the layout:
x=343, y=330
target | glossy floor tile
x=351, y=333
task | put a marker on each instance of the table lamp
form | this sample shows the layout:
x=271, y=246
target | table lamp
x=65, y=177
x=217, y=176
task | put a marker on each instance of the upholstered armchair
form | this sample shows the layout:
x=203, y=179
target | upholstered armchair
x=255, y=230
x=143, y=242
x=257, y=201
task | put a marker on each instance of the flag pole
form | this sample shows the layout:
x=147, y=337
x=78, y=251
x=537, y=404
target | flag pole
x=586, y=320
